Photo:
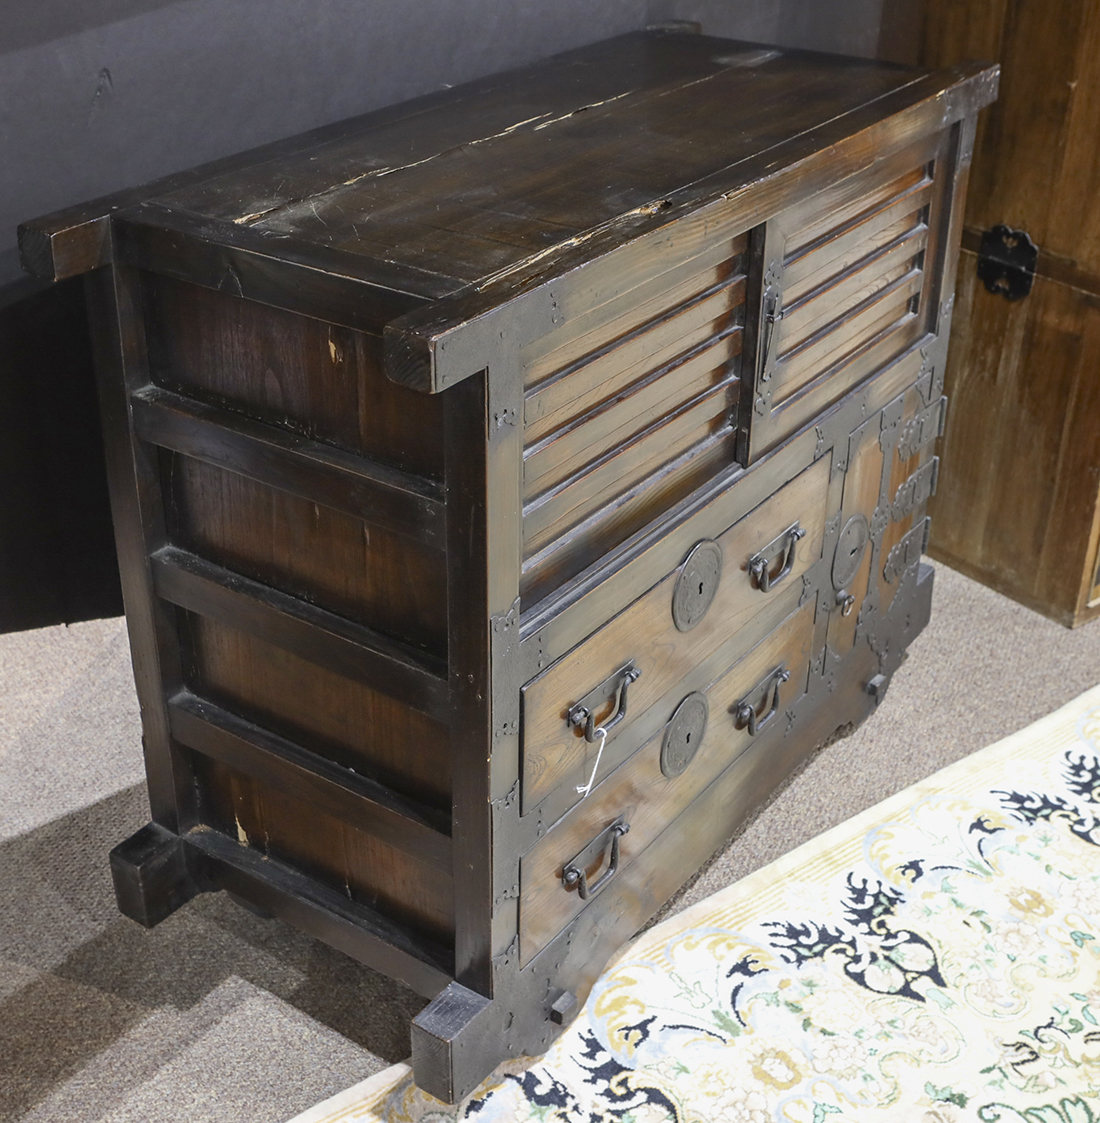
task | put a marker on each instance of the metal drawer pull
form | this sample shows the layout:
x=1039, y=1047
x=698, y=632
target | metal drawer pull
x=760, y=563
x=583, y=713
x=575, y=874
x=745, y=711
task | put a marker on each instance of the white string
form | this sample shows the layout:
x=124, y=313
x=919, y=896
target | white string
x=586, y=788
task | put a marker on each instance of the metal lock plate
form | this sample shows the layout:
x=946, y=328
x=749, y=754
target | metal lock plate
x=685, y=734
x=696, y=585
x=849, y=551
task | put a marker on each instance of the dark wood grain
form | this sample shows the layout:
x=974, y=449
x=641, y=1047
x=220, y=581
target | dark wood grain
x=311, y=377
x=1021, y=515
x=355, y=569
x=309, y=632
x=354, y=928
x=1021, y=459
x=337, y=718
x=393, y=500
x=435, y=408
x=405, y=824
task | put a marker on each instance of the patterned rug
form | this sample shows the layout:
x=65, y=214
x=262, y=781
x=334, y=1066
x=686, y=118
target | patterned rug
x=934, y=960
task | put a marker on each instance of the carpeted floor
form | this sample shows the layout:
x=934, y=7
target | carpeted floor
x=217, y=1015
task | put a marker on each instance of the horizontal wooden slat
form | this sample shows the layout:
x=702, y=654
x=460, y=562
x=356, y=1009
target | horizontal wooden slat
x=279, y=763
x=321, y=637
x=560, y=507
x=832, y=302
x=305, y=903
x=812, y=221
x=616, y=313
x=866, y=233
x=591, y=540
x=835, y=341
x=400, y=501
x=617, y=421
x=581, y=387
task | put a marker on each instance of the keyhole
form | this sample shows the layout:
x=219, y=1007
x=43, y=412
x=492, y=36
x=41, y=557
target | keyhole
x=687, y=739
x=852, y=553
x=700, y=588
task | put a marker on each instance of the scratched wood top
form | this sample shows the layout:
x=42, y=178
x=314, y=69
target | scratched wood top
x=462, y=185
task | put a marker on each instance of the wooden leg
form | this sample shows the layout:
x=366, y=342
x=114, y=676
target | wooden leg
x=151, y=875
x=454, y=1046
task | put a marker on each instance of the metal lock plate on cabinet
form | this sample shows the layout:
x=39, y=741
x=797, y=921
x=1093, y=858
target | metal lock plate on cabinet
x=696, y=585
x=685, y=734
x=849, y=550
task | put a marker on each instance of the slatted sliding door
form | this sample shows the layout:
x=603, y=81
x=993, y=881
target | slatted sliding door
x=844, y=288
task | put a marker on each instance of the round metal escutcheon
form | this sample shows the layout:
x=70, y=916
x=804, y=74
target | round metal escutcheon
x=849, y=551
x=684, y=734
x=697, y=584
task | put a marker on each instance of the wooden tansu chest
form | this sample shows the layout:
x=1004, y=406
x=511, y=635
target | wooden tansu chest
x=512, y=488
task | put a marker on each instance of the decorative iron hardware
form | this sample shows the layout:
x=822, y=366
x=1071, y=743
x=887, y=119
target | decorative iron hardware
x=684, y=734
x=1006, y=262
x=850, y=547
x=907, y=552
x=773, y=313
x=877, y=687
x=918, y=489
x=922, y=429
x=696, y=585
x=576, y=871
x=761, y=562
x=563, y=1007
x=583, y=713
x=746, y=713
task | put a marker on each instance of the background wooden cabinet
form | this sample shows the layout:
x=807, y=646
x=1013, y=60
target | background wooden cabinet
x=1017, y=506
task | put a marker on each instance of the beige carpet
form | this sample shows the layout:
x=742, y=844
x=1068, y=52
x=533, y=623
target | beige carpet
x=217, y=1015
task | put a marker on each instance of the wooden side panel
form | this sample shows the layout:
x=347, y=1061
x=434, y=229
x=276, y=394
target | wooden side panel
x=366, y=573
x=312, y=377
x=364, y=868
x=326, y=713
x=1021, y=452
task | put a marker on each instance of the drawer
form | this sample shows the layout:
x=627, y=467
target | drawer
x=660, y=780
x=645, y=641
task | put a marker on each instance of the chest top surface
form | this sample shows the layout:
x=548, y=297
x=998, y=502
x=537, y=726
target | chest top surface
x=502, y=179
x=459, y=186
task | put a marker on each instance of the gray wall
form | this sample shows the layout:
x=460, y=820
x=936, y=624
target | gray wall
x=98, y=95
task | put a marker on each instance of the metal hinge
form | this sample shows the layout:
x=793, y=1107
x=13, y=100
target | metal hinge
x=1006, y=262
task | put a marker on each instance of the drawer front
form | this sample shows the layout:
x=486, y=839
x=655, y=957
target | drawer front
x=645, y=638
x=745, y=704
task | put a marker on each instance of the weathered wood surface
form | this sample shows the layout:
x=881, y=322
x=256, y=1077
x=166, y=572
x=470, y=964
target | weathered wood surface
x=1020, y=480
